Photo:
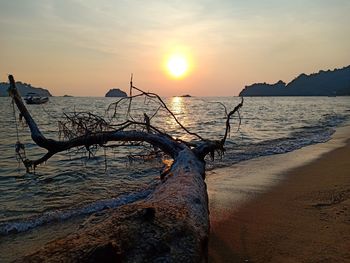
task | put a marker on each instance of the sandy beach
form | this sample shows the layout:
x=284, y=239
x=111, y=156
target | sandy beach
x=294, y=214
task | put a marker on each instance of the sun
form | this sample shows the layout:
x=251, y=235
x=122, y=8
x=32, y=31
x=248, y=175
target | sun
x=177, y=65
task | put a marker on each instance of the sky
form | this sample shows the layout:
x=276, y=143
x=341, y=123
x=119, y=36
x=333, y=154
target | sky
x=86, y=47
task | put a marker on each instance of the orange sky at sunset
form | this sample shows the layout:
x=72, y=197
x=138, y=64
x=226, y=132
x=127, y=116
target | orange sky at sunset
x=84, y=48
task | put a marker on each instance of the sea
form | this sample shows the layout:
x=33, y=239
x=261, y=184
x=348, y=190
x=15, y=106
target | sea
x=75, y=184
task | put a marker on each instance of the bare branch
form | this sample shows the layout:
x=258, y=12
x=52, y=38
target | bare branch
x=160, y=140
x=221, y=104
x=207, y=147
x=84, y=129
x=229, y=115
x=162, y=103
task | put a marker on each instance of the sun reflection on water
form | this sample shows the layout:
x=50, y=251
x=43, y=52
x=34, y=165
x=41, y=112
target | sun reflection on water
x=178, y=108
x=177, y=105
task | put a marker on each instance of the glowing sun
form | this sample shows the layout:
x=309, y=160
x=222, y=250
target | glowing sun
x=177, y=65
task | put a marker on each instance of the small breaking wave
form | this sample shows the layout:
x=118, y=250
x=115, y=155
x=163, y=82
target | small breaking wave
x=61, y=215
x=301, y=137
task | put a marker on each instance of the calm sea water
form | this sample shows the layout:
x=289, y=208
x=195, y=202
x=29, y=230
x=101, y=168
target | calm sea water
x=70, y=184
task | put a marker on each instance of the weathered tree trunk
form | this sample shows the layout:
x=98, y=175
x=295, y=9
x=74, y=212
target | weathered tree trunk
x=171, y=225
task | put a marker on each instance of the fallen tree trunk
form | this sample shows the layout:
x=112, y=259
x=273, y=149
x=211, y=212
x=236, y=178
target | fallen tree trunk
x=171, y=225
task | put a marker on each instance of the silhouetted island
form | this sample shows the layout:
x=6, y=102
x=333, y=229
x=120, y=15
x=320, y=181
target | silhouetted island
x=116, y=93
x=324, y=83
x=186, y=96
x=24, y=89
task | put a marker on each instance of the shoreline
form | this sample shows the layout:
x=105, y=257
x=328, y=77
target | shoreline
x=245, y=189
x=289, y=208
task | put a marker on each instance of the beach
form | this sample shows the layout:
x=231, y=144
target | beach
x=62, y=195
x=298, y=210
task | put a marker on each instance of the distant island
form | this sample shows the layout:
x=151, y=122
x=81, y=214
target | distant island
x=324, y=83
x=116, y=93
x=24, y=89
x=186, y=96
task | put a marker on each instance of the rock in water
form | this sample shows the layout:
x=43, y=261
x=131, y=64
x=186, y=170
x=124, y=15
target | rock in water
x=116, y=93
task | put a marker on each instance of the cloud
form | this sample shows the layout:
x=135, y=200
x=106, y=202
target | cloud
x=224, y=35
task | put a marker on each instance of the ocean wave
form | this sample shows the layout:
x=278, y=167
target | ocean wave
x=61, y=215
x=300, y=137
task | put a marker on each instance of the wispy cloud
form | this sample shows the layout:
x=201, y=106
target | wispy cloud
x=245, y=36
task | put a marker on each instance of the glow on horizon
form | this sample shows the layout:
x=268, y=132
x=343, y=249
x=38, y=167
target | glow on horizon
x=87, y=47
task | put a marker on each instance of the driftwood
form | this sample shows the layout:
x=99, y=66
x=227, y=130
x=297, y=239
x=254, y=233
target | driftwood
x=171, y=225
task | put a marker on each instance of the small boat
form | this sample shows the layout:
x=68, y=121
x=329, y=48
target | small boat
x=33, y=98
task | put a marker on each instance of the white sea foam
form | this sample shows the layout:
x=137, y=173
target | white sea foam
x=60, y=215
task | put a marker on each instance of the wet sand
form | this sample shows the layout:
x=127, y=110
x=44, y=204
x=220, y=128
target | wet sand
x=290, y=215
